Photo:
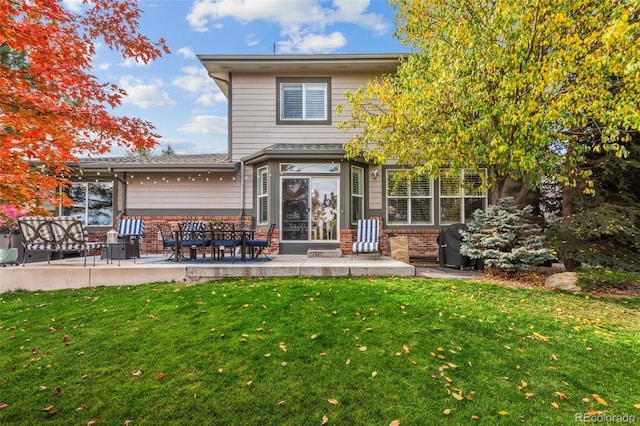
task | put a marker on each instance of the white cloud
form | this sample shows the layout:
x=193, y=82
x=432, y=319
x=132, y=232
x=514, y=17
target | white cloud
x=145, y=95
x=131, y=62
x=211, y=99
x=298, y=20
x=73, y=5
x=313, y=43
x=252, y=40
x=186, y=52
x=206, y=124
x=194, y=80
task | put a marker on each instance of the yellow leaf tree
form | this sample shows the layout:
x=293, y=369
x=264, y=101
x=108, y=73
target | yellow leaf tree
x=508, y=85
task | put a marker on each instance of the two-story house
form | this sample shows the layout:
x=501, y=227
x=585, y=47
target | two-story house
x=285, y=164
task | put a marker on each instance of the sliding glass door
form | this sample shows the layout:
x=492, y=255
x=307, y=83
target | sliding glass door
x=310, y=208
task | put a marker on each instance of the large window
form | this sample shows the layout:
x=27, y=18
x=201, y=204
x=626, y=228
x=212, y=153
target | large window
x=263, y=195
x=91, y=201
x=461, y=195
x=357, y=194
x=409, y=202
x=303, y=101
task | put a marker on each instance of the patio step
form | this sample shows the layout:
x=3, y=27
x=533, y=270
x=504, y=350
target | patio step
x=324, y=253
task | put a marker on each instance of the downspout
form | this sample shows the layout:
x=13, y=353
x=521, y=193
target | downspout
x=242, y=188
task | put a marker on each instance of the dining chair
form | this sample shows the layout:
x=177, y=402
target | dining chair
x=193, y=235
x=168, y=239
x=224, y=237
x=258, y=246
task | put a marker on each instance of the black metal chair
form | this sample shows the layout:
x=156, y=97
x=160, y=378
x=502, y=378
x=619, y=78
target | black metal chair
x=168, y=239
x=257, y=246
x=224, y=237
x=193, y=235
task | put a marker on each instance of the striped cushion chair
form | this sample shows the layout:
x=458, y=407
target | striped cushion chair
x=69, y=235
x=132, y=229
x=37, y=236
x=368, y=238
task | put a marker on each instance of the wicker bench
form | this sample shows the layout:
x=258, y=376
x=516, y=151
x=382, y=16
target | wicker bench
x=56, y=235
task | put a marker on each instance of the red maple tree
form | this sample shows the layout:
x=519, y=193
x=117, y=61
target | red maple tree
x=52, y=108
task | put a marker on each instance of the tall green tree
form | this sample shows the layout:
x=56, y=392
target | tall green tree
x=508, y=85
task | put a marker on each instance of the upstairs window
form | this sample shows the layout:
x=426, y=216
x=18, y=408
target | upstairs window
x=303, y=101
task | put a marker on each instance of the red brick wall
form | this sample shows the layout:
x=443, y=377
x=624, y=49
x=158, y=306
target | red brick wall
x=422, y=242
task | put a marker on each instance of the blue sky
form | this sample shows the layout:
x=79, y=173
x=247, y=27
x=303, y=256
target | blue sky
x=174, y=92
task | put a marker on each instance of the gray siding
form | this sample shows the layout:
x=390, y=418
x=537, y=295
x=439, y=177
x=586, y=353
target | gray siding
x=191, y=191
x=254, y=114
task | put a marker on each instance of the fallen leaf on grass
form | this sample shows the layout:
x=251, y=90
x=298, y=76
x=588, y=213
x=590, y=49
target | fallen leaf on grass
x=503, y=412
x=636, y=406
x=362, y=348
x=561, y=395
x=3, y=406
x=395, y=423
x=447, y=411
x=325, y=420
x=374, y=374
x=539, y=336
x=406, y=350
x=457, y=396
x=332, y=401
x=137, y=373
x=530, y=395
x=554, y=404
x=600, y=400
x=159, y=376
x=314, y=336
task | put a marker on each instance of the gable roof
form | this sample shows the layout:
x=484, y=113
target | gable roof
x=170, y=163
x=220, y=67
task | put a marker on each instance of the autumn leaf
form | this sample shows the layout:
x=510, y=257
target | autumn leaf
x=137, y=373
x=314, y=336
x=539, y=336
x=560, y=395
x=3, y=406
x=636, y=406
x=554, y=404
x=325, y=420
x=395, y=423
x=600, y=400
x=503, y=412
x=530, y=395
x=457, y=396
x=362, y=348
x=447, y=411
x=406, y=350
x=374, y=374
x=159, y=376
x=332, y=401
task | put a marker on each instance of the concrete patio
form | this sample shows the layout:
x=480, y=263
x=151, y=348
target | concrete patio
x=70, y=273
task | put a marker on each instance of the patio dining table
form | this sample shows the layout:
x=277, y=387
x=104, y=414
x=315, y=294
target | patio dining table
x=244, y=235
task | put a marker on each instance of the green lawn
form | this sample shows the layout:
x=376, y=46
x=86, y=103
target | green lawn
x=304, y=351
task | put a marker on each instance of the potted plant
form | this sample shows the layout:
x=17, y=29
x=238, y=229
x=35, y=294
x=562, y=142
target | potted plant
x=9, y=233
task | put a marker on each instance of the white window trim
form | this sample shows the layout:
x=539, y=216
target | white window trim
x=408, y=197
x=360, y=170
x=262, y=173
x=462, y=196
